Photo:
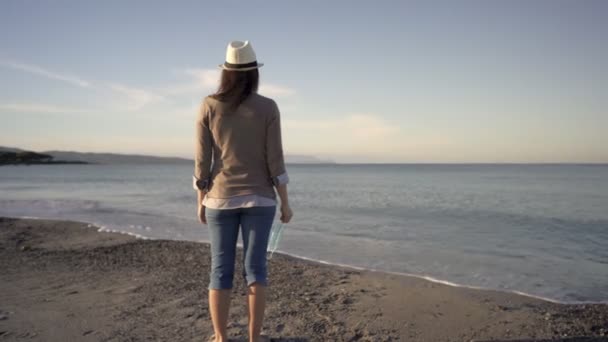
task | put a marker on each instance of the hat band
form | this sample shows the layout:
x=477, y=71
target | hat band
x=241, y=66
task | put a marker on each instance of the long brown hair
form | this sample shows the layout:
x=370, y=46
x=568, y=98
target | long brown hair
x=236, y=86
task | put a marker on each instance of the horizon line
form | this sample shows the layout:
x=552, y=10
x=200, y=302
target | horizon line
x=337, y=162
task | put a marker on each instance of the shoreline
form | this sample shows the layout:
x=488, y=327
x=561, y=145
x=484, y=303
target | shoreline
x=101, y=228
x=62, y=282
x=438, y=281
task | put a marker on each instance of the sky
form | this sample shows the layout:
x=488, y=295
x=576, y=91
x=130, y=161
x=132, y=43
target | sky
x=355, y=81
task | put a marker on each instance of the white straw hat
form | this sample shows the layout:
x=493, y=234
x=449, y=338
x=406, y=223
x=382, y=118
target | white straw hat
x=240, y=57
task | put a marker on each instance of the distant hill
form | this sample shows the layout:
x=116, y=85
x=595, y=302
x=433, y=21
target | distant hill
x=116, y=158
x=21, y=157
x=11, y=149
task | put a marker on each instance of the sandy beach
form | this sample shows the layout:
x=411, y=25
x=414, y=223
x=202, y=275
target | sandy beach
x=65, y=281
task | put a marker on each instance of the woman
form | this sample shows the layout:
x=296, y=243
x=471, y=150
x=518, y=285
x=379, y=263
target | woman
x=239, y=130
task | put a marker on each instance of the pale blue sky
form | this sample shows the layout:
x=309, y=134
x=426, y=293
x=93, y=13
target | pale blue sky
x=381, y=81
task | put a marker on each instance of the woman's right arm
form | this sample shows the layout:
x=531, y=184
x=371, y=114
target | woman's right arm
x=276, y=162
x=202, y=159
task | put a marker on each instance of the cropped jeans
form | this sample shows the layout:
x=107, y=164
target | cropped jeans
x=223, y=224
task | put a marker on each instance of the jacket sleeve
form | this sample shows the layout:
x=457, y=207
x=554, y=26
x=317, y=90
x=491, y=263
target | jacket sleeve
x=202, y=150
x=274, y=148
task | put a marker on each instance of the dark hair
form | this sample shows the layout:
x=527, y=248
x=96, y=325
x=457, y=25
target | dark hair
x=236, y=86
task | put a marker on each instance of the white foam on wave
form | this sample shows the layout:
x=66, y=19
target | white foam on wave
x=140, y=227
x=102, y=229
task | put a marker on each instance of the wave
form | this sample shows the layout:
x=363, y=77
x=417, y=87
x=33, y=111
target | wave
x=101, y=228
x=439, y=281
x=62, y=206
x=18, y=187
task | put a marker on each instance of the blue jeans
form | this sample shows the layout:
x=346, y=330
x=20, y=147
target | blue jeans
x=223, y=224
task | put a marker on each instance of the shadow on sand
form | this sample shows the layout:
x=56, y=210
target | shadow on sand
x=277, y=339
x=562, y=339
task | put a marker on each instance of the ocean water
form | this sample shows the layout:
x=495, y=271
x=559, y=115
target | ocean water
x=540, y=230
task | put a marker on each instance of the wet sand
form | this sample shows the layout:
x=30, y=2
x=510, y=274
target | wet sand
x=64, y=281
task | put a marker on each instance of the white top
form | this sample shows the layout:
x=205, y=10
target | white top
x=244, y=201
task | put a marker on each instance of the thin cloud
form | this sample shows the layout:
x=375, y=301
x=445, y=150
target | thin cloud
x=137, y=97
x=41, y=108
x=275, y=90
x=197, y=80
x=364, y=137
x=37, y=70
x=355, y=127
x=200, y=80
x=205, y=78
x=367, y=134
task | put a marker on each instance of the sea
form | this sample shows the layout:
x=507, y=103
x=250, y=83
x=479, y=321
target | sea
x=538, y=230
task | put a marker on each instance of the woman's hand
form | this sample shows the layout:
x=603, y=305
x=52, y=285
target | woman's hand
x=286, y=213
x=201, y=208
x=201, y=214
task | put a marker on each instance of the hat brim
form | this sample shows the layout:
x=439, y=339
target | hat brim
x=222, y=66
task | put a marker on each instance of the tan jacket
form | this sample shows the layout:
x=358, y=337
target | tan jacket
x=238, y=152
